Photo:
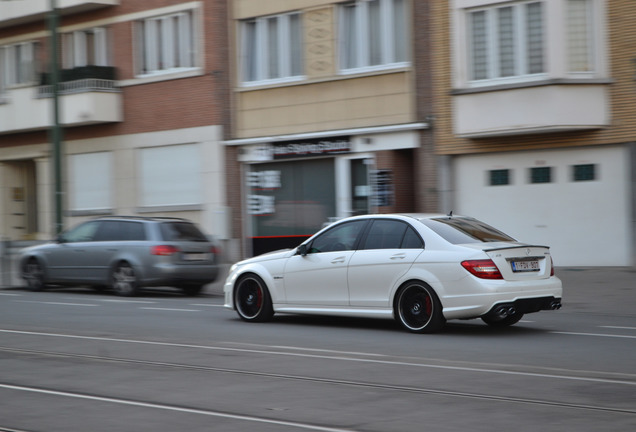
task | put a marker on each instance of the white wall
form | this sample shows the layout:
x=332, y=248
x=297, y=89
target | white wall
x=585, y=223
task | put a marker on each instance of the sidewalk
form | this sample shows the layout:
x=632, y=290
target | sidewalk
x=606, y=290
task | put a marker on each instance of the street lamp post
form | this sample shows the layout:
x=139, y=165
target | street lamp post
x=56, y=130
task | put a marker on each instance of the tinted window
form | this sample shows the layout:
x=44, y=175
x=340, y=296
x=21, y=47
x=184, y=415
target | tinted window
x=82, y=233
x=181, y=231
x=339, y=238
x=412, y=240
x=132, y=231
x=385, y=234
x=465, y=230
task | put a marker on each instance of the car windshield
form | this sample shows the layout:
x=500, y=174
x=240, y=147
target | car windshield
x=465, y=230
x=179, y=231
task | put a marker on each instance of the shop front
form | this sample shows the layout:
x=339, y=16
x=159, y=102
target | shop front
x=292, y=188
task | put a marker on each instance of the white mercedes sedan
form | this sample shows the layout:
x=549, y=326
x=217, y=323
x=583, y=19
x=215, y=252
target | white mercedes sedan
x=418, y=269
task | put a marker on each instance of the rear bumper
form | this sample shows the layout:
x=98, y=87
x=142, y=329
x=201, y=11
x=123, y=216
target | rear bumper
x=529, y=305
x=170, y=275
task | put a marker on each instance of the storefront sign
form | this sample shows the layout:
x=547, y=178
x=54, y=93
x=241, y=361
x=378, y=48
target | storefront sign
x=306, y=148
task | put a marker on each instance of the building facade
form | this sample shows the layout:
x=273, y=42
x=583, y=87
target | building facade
x=143, y=104
x=535, y=121
x=327, y=119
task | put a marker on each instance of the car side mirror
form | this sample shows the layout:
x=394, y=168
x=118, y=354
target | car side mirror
x=302, y=250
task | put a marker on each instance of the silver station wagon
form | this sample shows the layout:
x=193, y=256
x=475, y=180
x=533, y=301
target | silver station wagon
x=124, y=254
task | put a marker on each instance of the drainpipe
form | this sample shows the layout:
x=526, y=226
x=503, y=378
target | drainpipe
x=56, y=130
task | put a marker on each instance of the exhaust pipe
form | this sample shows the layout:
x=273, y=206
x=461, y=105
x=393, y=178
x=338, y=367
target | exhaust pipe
x=555, y=305
x=504, y=311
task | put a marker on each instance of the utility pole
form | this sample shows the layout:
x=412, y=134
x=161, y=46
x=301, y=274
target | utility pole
x=56, y=130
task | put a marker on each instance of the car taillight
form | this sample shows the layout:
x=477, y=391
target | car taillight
x=164, y=250
x=551, y=267
x=215, y=250
x=483, y=269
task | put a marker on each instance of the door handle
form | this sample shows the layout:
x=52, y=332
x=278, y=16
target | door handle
x=338, y=260
x=398, y=256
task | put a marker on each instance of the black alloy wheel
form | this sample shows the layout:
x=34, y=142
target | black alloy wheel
x=418, y=308
x=252, y=299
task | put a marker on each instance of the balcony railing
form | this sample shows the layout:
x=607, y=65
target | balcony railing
x=78, y=86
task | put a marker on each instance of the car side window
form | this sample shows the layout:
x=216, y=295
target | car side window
x=108, y=231
x=412, y=240
x=385, y=234
x=133, y=231
x=340, y=238
x=81, y=233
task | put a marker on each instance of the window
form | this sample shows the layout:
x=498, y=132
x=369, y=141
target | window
x=499, y=177
x=585, y=172
x=121, y=231
x=17, y=64
x=390, y=234
x=340, y=238
x=506, y=41
x=166, y=43
x=541, y=175
x=82, y=233
x=272, y=48
x=91, y=175
x=465, y=230
x=385, y=234
x=85, y=48
x=373, y=33
x=170, y=175
x=579, y=36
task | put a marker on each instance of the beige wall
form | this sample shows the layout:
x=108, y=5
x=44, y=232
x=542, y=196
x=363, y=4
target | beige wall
x=324, y=100
x=335, y=104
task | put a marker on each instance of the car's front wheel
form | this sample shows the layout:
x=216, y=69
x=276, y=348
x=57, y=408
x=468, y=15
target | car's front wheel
x=252, y=299
x=418, y=308
x=34, y=275
x=124, y=281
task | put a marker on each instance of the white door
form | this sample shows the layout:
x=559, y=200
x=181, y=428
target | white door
x=320, y=277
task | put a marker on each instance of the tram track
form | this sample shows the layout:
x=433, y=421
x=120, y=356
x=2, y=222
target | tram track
x=309, y=379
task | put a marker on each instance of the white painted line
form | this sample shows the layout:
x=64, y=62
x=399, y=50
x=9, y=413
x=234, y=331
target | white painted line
x=594, y=334
x=339, y=357
x=171, y=309
x=10, y=294
x=56, y=303
x=618, y=327
x=175, y=408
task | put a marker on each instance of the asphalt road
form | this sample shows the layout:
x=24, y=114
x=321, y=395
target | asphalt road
x=77, y=360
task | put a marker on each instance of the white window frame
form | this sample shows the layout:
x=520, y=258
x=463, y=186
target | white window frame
x=91, y=181
x=257, y=58
x=388, y=37
x=555, y=39
x=75, y=49
x=14, y=71
x=170, y=175
x=520, y=44
x=167, y=44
